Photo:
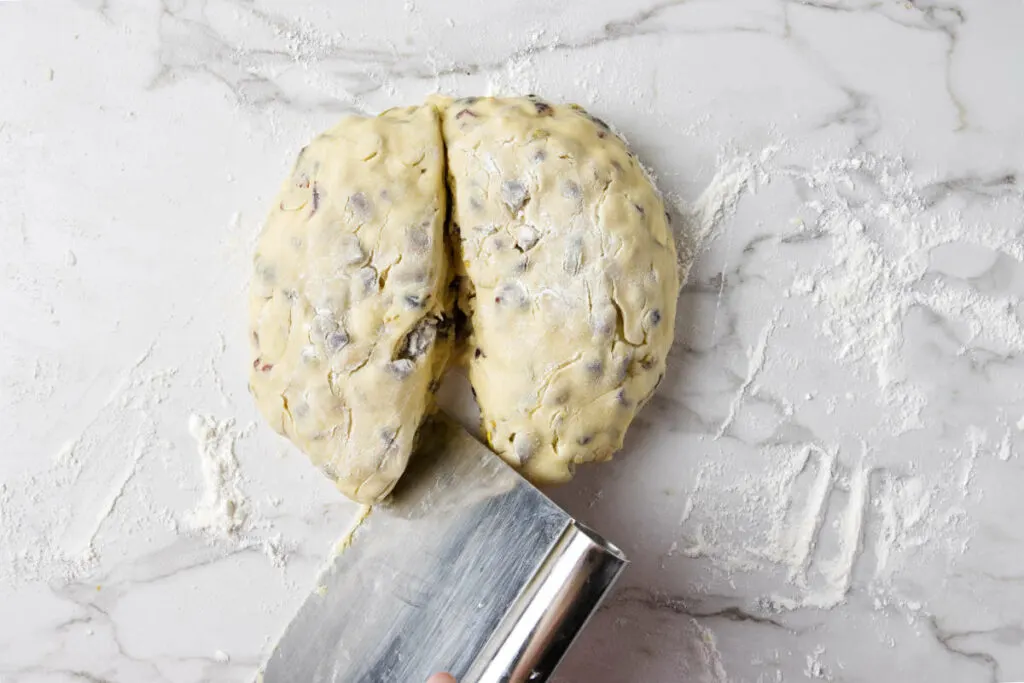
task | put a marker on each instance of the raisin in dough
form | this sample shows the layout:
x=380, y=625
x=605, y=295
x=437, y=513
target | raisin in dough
x=348, y=295
x=568, y=278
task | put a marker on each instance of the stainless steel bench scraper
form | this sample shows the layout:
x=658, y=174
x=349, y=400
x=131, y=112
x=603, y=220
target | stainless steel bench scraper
x=466, y=568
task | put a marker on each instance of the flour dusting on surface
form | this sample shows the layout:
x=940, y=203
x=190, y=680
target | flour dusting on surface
x=224, y=507
x=703, y=219
x=710, y=659
x=69, y=519
x=826, y=514
x=51, y=520
x=882, y=241
x=757, y=358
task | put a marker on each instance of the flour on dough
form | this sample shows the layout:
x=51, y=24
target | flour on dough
x=567, y=274
x=348, y=298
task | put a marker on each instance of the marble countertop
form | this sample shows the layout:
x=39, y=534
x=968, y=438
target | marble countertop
x=828, y=484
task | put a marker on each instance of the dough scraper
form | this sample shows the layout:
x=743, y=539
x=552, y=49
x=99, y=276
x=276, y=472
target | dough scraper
x=466, y=568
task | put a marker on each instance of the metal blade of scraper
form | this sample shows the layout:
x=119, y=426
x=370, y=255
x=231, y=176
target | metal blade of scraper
x=467, y=568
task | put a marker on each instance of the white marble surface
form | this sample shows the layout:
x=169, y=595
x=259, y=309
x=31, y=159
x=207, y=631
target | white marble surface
x=828, y=485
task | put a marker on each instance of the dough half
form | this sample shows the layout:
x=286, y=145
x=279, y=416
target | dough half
x=569, y=279
x=349, y=303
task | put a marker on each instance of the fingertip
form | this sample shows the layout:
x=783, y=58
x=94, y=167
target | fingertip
x=441, y=678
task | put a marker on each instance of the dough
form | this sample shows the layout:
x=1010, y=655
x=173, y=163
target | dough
x=568, y=278
x=349, y=297
x=565, y=270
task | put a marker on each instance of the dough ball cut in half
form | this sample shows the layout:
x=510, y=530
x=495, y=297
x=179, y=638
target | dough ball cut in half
x=568, y=277
x=348, y=303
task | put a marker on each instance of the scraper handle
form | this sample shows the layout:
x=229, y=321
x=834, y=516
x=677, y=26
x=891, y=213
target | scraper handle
x=551, y=611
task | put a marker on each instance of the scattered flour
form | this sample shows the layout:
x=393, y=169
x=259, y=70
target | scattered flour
x=756, y=363
x=71, y=518
x=816, y=669
x=822, y=516
x=882, y=238
x=702, y=220
x=518, y=73
x=709, y=659
x=224, y=507
x=51, y=520
x=224, y=513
